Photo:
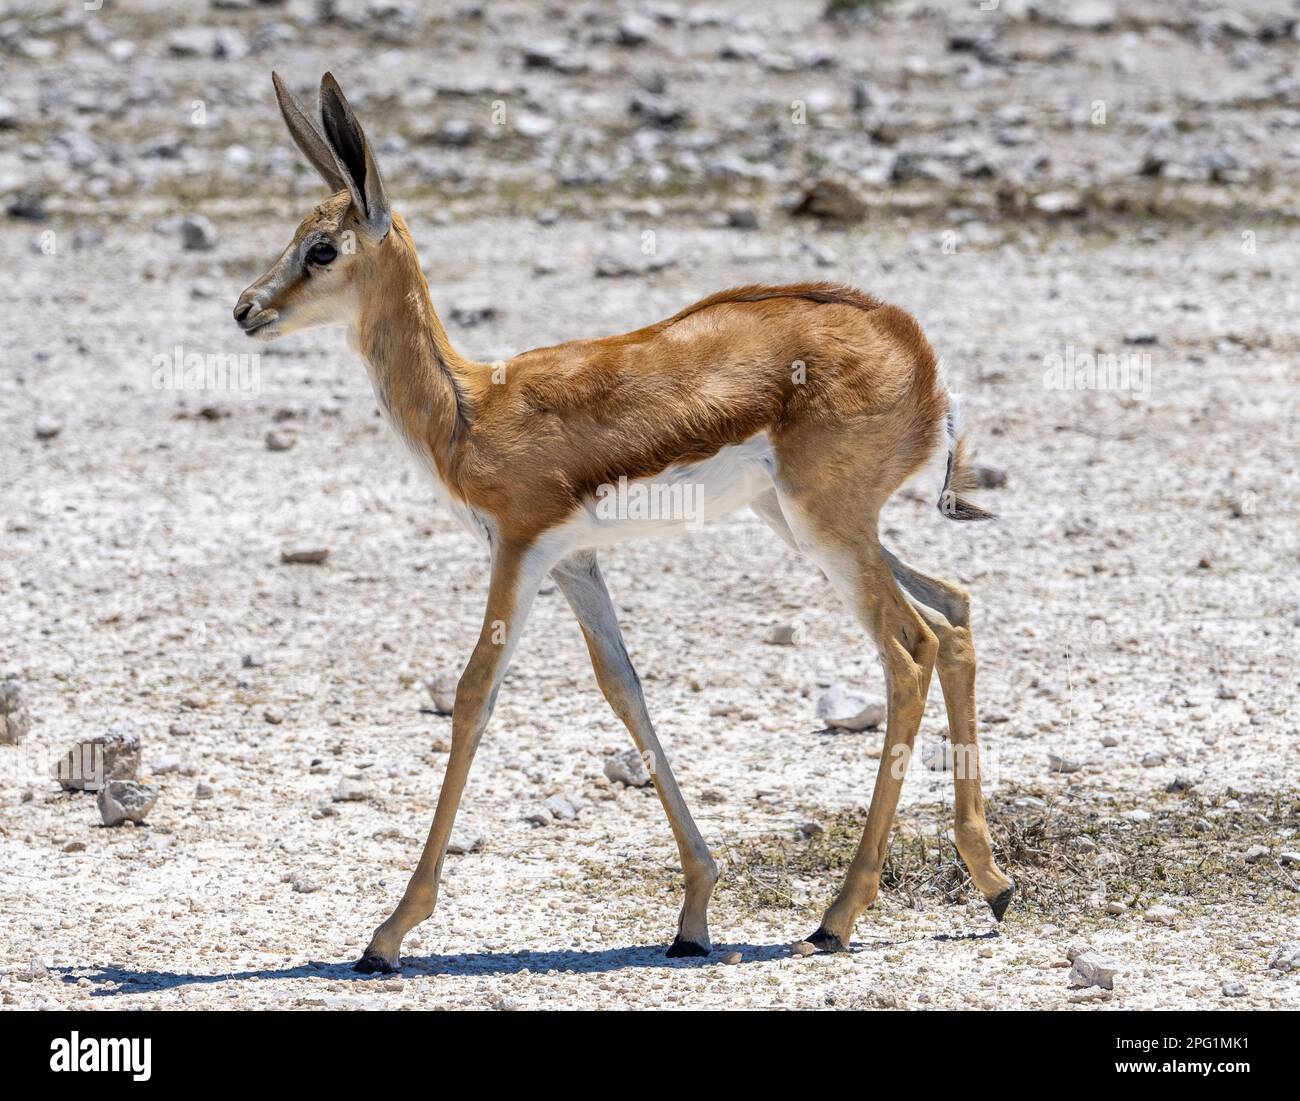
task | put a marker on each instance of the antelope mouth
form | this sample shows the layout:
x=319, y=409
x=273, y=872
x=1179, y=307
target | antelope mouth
x=261, y=325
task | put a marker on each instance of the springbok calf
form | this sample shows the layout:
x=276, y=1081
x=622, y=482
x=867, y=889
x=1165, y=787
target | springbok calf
x=811, y=403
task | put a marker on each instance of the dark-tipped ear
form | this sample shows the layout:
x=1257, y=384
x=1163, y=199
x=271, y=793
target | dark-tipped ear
x=306, y=137
x=355, y=160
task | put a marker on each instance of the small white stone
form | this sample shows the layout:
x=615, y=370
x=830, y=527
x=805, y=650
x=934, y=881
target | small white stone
x=1057, y=763
x=1093, y=969
x=627, y=767
x=847, y=709
x=464, y=842
x=442, y=691
x=561, y=808
x=352, y=791
x=785, y=634
x=122, y=801
x=1286, y=958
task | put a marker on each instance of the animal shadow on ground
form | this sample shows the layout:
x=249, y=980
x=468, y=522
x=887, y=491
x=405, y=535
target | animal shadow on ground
x=112, y=981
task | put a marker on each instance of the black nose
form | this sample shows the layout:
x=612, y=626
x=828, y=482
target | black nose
x=241, y=310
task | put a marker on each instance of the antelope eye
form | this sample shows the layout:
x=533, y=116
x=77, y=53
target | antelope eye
x=322, y=253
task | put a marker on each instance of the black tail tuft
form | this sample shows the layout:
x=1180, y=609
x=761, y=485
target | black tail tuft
x=957, y=480
x=957, y=508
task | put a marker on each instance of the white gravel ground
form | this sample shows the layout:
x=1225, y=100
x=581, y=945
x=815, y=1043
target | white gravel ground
x=142, y=563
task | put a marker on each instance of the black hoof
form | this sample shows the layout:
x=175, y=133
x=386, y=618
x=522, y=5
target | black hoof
x=681, y=947
x=374, y=964
x=999, y=905
x=827, y=942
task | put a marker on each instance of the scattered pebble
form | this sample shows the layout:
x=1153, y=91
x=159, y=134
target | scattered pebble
x=989, y=477
x=846, y=708
x=304, y=556
x=612, y=265
x=829, y=201
x=15, y=717
x=627, y=767
x=561, y=808
x=937, y=754
x=122, y=801
x=114, y=755
x=475, y=311
x=802, y=948
x=635, y=30
x=1233, y=990
x=1286, y=958
x=197, y=234
x=442, y=691
x=462, y=842
x=1093, y=969
x=784, y=634
x=352, y=791
x=732, y=958
x=1057, y=763
x=47, y=428
x=1058, y=203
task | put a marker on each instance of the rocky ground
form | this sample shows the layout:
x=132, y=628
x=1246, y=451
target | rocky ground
x=1040, y=183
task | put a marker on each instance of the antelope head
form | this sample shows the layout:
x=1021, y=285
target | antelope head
x=314, y=281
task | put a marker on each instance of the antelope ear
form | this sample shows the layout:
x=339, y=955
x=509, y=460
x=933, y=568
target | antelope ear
x=306, y=137
x=355, y=160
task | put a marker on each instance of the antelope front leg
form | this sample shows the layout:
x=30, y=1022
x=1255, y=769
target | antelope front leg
x=579, y=578
x=515, y=577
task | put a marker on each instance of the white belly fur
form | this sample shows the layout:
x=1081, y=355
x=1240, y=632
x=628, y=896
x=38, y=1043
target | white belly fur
x=678, y=499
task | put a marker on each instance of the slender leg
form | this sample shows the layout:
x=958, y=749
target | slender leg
x=516, y=574
x=907, y=650
x=946, y=609
x=579, y=578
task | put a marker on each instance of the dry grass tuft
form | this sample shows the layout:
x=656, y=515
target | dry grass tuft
x=1063, y=853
